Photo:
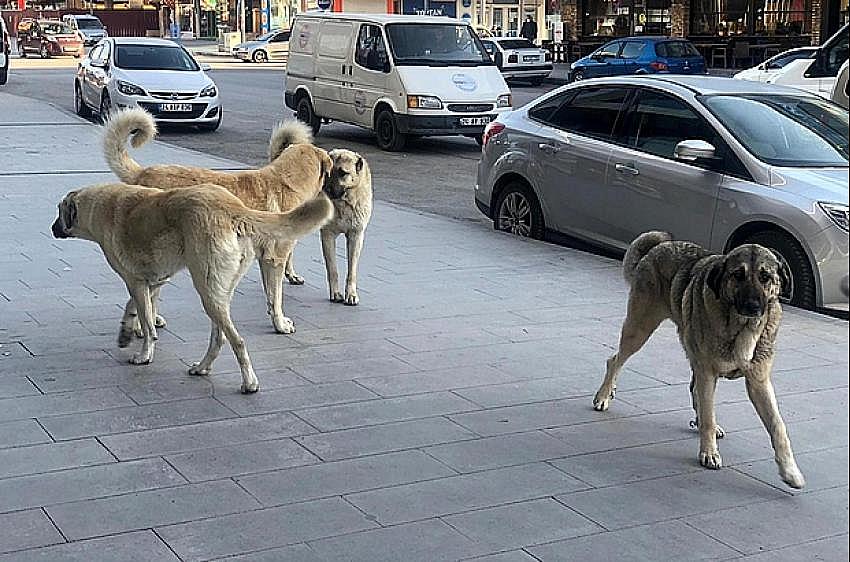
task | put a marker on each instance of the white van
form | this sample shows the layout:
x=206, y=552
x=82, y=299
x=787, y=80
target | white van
x=396, y=75
x=817, y=75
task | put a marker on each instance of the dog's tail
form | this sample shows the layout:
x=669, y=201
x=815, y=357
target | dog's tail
x=293, y=225
x=287, y=133
x=639, y=247
x=135, y=124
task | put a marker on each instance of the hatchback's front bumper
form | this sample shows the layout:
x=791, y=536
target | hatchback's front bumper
x=206, y=110
x=831, y=249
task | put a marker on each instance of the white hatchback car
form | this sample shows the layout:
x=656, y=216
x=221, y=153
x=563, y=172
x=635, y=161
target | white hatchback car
x=157, y=75
x=766, y=71
x=519, y=58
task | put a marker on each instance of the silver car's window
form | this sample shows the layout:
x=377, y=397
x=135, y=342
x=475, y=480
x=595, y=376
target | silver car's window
x=785, y=130
x=592, y=112
x=659, y=122
x=154, y=57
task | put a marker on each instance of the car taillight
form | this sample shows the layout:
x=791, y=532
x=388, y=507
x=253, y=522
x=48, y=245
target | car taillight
x=513, y=58
x=492, y=130
x=658, y=66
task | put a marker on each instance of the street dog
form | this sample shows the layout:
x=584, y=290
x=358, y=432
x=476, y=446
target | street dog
x=727, y=311
x=148, y=235
x=295, y=175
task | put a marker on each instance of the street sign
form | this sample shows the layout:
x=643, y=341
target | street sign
x=324, y=4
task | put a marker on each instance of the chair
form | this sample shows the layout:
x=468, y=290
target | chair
x=718, y=54
x=741, y=51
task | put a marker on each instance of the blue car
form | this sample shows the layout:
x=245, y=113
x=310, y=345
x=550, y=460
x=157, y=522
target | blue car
x=640, y=55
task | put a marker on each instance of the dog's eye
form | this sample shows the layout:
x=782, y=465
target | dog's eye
x=740, y=274
x=764, y=276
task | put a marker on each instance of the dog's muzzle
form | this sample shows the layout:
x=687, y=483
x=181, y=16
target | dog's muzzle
x=58, y=230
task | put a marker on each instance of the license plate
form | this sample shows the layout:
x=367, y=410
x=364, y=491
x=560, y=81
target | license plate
x=530, y=58
x=71, y=49
x=469, y=121
x=175, y=107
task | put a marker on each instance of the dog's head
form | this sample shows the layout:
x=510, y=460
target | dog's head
x=65, y=224
x=349, y=170
x=750, y=278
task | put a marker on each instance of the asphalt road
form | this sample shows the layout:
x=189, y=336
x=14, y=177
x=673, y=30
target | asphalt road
x=435, y=175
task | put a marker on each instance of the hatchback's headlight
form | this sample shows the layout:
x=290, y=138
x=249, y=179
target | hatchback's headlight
x=838, y=213
x=209, y=92
x=129, y=89
x=424, y=102
x=504, y=100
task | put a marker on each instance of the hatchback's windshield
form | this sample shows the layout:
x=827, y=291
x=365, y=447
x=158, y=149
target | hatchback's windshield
x=416, y=44
x=676, y=49
x=56, y=28
x=153, y=57
x=89, y=24
x=786, y=130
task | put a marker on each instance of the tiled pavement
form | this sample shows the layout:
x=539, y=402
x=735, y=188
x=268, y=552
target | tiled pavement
x=448, y=417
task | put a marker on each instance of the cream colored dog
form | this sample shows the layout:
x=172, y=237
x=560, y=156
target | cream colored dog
x=295, y=175
x=148, y=235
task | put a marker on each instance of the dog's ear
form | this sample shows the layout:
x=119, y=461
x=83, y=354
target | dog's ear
x=326, y=165
x=783, y=270
x=68, y=212
x=714, y=279
x=359, y=164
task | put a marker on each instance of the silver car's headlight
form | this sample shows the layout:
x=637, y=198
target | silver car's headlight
x=129, y=89
x=209, y=92
x=837, y=212
x=504, y=100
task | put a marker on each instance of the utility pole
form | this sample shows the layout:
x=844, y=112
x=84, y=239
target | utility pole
x=196, y=18
x=241, y=7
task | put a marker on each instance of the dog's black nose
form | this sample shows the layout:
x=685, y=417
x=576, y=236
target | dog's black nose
x=58, y=231
x=751, y=307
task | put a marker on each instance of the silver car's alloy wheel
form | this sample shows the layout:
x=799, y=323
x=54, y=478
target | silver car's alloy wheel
x=515, y=215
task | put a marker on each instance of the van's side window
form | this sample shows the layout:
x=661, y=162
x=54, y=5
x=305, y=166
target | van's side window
x=371, y=51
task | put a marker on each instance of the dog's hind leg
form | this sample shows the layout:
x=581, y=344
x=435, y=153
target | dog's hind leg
x=764, y=399
x=128, y=324
x=329, y=253
x=705, y=384
x=216, y=341
x=141, y=294
x=289, y=271
x=158, y=320
x=272, y=267
x=640, y=323
x=694, y=423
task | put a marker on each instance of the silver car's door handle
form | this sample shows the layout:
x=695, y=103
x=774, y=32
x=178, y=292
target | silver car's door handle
x=551, y=148
x=625, y=169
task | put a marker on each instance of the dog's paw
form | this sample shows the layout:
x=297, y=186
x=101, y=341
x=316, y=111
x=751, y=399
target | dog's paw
x=199, y=370
x=249, y=388
x=603, y=399
x=351, y=299
x=710, y=460
x=336, y=296
x=284, y=325
x=159, y=321
x=141, y=358
x=719, y=432
x=125, y=336
x=295, y=279
x=792, y=476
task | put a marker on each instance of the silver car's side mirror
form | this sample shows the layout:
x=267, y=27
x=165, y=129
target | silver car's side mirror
x=205, y=67
x=691, y=150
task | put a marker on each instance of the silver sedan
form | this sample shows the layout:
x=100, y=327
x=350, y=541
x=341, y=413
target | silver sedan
x=716, y=161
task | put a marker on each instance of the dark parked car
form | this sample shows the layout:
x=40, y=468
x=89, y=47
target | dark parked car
x=4, y=52
x=640, y=55
x=48, y=38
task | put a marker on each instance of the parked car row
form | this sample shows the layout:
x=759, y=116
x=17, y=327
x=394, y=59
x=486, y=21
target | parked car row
x=48, y=38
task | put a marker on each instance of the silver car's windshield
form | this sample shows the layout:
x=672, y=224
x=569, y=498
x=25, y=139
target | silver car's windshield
x=415, y=44
x=154, y=57
x=785, y=130
x=89, y=24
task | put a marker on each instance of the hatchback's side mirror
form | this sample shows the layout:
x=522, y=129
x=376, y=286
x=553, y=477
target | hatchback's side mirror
x=692, y=150
x=205, y=67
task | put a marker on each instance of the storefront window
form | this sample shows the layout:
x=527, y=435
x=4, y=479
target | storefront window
x=613, y=18
x=751, y=17
x=844, y=15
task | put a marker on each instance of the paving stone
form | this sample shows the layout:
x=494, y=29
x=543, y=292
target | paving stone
x=457, y=339
x=135, y=418
x=426, y=541
x=662, y=542
x=499, y=451
x=512, y=556
x=222, y=462
x=22, y=432
x=204, y=435
x=20, y=461
x=65, y=403
x=267, y=528
x=522, y=524
x=352, y=369
x=143, y=510
x=17, y=385
x=432, y=381
x=349, y=443
x=143, y=546
x=27, y=529
x=296, y=397
x=456, y=494
x=342, y=477
x=294, y=553
x=832, y=548
x=83, y=483
x=385, y=410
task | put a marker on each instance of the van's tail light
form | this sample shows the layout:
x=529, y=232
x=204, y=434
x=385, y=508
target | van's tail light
x=658, y=66
x=493, y=129
x=513, y=58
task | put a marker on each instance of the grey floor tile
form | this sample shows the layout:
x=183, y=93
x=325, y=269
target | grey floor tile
x=16, y=385
x=296, y=397
x=151, y=508
x=822, y=469
x=456, y=494
x=143, y=546
x=294, y=553
x=83, y=483
x=351, y=369
x=22, y=432
x=65, y=403
x=499, y=451
x=433, y=381
x=33, y=459
x=522, y=524
x=510, y=556
x=267, y=528
x=832, y=548
x=660, y=542
x=27, y=529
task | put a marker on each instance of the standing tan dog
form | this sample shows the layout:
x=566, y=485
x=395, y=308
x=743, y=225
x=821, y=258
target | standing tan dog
x=727, y=311
x=295, y=175
x=148, y=235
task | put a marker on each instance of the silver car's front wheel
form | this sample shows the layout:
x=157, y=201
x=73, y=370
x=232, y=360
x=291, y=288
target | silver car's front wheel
x=518, y=212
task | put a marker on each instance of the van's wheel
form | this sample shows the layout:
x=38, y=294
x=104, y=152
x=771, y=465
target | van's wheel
x=44, y=52
x=79, y=103
x=304, y=113
x=517, y=211
x=105, y=106
x=387, y=133
x=260, y=57
x=802, y=291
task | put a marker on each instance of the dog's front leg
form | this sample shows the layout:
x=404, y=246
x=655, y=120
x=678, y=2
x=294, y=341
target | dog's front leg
x=760, y=391
x=272, y=266
x=128, y=324
x=289, y=271
x=142, y=295
x=705, y=383
x=329, y=252
x=354, y=245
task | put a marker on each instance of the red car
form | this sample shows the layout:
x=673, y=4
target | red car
x=48, y=38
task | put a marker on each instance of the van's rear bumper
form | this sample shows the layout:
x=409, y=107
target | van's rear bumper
x=440, y=124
